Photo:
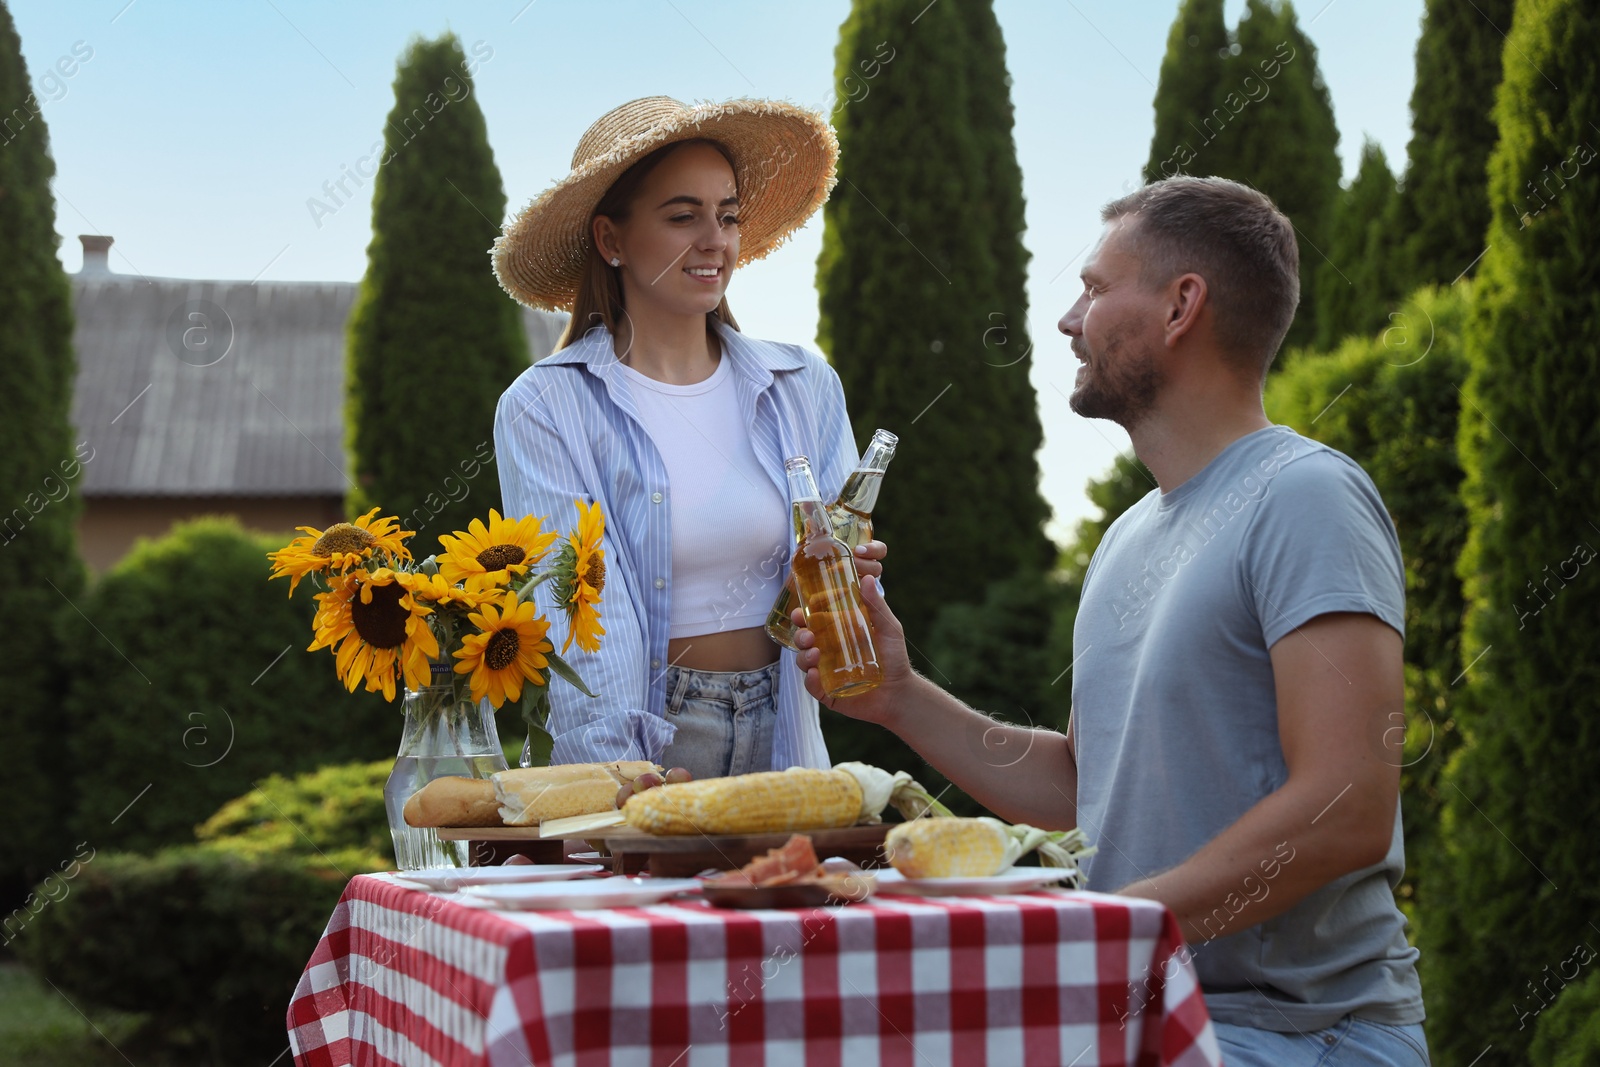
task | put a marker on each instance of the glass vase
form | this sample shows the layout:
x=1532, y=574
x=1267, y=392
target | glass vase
x=446, y=733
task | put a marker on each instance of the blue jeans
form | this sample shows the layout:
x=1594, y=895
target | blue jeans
x=1350, y=1042
x=725, y=720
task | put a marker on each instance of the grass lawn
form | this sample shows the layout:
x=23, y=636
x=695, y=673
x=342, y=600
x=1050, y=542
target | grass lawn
x=39, y=1027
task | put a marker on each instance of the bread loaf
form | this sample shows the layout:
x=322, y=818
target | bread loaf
x=454, y=802
x=529, y=795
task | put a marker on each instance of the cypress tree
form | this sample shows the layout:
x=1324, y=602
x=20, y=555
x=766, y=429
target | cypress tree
x=923, y=309
x=1521, y=879
x=1190, y=86
x=1444, y=209
x=1355, y=282
x=433, y=341
x=1283, y=140
x=1254, y=109
x=39, y=566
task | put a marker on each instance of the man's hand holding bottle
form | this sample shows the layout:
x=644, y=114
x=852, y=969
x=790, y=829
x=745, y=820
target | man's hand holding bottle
x=878, y=705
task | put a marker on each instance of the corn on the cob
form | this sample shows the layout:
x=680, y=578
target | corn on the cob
x=949, y=848
x=796, y=799
x=980, y=848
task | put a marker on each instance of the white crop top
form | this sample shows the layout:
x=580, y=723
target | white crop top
x=731, y=532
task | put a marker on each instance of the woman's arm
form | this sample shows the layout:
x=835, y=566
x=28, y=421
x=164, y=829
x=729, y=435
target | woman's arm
x=539, y=475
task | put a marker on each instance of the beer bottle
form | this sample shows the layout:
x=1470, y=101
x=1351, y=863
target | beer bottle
x=851, y=516
x=829, y=592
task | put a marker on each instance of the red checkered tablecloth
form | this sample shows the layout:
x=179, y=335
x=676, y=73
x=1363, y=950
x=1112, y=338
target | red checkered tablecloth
x=408, y=977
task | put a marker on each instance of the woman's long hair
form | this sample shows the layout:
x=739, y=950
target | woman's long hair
x=599, y=301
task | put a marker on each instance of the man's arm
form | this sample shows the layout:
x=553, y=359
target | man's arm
x=1339, y=687
x=1021, y=774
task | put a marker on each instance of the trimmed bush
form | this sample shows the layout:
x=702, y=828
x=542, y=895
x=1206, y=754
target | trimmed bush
x=1568, y=1032
x=209, y=940
x=324, y=813
x=991, y=654
x=1000, y=657
x=192, y=683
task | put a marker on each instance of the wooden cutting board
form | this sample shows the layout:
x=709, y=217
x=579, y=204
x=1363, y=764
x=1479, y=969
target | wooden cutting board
x=679, y=856
x=504, y=833
x=682, y=855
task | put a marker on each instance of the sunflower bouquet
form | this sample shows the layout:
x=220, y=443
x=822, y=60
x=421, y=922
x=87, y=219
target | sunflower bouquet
x=465, y=618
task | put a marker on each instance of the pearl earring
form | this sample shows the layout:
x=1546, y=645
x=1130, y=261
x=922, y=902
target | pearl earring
x=616, y=261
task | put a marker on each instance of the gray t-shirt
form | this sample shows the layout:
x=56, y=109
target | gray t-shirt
x=1176, y=718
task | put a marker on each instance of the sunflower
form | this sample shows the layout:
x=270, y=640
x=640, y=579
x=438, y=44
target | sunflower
x=580, y=577
x=338, y=548
x=380, y=629
x=433, y=589
x=508, y=648
x=507, y=548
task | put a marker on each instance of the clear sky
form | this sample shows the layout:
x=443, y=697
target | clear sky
x=195, y=133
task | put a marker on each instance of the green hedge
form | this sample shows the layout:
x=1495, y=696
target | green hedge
x=991, y=654
x=1568, y=1031
x=190, y=677
x=208, y=940
x=330, y=809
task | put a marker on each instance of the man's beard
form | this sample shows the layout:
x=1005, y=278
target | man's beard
x=1121, y=384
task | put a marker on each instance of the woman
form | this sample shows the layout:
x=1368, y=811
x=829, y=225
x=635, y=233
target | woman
x=657, y=408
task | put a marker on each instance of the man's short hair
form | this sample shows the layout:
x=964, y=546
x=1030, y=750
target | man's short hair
x=1237, y=240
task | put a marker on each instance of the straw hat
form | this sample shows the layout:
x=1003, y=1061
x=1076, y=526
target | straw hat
x=785, y=155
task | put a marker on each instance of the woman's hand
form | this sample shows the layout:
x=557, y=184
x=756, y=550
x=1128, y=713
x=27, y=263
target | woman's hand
x=868, y=557
x=649, y=780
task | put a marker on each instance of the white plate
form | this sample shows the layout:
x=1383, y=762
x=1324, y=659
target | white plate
x=460, y=877
x=614, y=892
x=1016, y=880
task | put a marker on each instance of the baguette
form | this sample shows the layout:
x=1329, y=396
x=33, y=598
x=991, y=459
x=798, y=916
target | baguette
x=528, y=795
x=454, y=802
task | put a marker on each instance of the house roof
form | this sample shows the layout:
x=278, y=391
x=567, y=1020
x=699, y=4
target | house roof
x=218, y=388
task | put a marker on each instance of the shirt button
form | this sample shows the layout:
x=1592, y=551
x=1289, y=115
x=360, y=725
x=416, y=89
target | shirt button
x=661, y=583
x=655, y=663
x=655, y=498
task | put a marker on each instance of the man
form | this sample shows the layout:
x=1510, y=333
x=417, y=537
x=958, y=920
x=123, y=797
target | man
x=1237, y=697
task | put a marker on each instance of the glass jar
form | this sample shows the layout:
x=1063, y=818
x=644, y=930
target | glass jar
x=446, y=733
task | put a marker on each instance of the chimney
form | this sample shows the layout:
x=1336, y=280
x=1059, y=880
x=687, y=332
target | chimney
x=95, y=250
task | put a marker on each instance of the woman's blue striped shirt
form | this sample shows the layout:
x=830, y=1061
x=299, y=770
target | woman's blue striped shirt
x=566, y=430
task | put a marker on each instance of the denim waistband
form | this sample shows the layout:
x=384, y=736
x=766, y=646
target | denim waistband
x=737, y=687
